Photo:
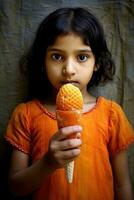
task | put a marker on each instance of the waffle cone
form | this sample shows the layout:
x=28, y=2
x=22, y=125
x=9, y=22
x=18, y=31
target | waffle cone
x=68, y=118
x=69, y=169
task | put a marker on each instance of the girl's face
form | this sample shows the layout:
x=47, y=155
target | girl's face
x=69, y=60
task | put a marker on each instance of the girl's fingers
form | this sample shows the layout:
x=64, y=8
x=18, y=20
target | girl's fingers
x=65, y=144
x=69, y=144
x=69, y=154
x=61, y=148
x=67, y=131
x=61, y=158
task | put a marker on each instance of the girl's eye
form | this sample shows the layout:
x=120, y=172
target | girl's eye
x=82, y=58
x=56, y=57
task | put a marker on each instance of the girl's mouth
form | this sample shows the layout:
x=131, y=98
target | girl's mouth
x=69, y=81
x=75, y=83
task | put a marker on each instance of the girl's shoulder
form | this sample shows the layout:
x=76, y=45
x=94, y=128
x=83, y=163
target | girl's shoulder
x=120, y=131
x=112, y=111
x=117, y=117
x=106, y=106
x=109, y=105
x=28, y=109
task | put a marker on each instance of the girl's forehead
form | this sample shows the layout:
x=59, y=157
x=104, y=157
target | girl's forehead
x=71, y=39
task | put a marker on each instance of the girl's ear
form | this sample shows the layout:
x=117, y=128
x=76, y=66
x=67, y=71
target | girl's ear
x=96, y=67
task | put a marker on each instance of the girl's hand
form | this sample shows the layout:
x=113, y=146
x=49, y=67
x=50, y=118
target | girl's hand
x=62, y=150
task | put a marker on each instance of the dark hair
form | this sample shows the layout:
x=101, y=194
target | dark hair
x=64, y=21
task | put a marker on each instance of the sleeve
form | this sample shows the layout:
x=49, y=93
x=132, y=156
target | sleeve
x=18, y=131
x=121, y=133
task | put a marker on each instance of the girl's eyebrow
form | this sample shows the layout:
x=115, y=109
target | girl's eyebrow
x=77, y=50
x=85, y=50
x=54, y=49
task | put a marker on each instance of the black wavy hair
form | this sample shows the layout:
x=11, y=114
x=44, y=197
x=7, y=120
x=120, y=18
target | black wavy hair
x=63, y=21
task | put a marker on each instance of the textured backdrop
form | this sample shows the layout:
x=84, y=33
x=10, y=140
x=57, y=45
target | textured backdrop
x=18, y=22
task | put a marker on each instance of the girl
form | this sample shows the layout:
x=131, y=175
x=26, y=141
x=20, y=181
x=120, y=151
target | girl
x=69, y=47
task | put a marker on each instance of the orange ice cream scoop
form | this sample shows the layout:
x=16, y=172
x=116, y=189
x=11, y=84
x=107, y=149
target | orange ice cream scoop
x=69, y=103
x=69, y=97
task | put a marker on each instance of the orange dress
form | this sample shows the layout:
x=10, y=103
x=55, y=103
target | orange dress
x=106, y=131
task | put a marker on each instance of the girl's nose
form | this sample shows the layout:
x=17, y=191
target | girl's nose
x=69, y=68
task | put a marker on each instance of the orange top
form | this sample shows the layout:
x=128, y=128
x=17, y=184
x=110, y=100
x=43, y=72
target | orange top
x=106, y=131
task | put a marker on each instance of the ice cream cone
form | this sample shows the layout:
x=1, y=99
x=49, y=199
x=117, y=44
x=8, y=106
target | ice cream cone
x=69, y=109
x=69, y=118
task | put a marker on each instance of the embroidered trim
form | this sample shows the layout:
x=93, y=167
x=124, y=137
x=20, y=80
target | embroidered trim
x=53, y=115
x=131, y=140
x=96, y=105
x=16, y=145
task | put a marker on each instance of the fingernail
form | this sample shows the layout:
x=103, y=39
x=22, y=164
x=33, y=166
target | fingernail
x=78, y=135
x=80, y=128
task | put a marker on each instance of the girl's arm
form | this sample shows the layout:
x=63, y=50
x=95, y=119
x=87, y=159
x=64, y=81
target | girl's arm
x=24, y=179
x=122, y=183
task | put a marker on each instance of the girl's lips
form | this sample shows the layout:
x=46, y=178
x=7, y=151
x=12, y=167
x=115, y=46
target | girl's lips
x=72, y=82
x=75, y=83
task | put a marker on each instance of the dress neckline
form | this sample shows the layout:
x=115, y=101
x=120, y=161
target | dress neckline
x=53, y=115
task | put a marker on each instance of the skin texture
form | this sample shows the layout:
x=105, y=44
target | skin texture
x=121, y=176
x=68, y=60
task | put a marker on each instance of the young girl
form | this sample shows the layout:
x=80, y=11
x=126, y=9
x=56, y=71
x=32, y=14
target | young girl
x=69, y=47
